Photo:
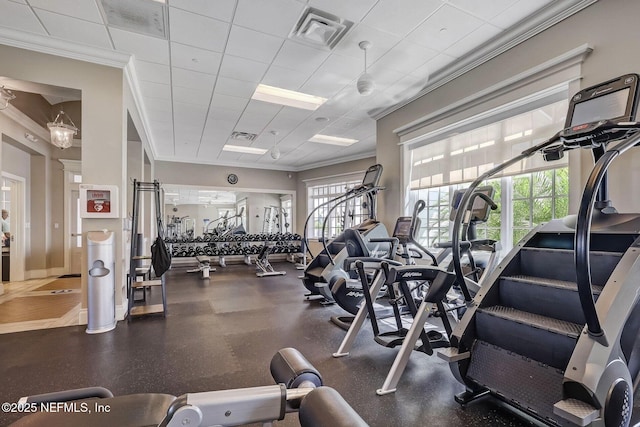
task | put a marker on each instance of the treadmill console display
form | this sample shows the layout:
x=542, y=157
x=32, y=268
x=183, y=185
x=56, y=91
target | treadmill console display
x=403, y=228
x=372, y=176
x=614, y=100
x=480, y=210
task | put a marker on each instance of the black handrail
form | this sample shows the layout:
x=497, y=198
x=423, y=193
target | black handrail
x=305, y=240
x=583, y=234
x=354, y=193
x=464, y=203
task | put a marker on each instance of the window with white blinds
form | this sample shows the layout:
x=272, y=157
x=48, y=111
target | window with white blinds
x=462, y=157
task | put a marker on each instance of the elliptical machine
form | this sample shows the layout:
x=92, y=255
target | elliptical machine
x=370, y=238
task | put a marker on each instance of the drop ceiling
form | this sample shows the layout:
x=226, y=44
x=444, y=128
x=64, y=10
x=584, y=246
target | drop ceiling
x=196, y=82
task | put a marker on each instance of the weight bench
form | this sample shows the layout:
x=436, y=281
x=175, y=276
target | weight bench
x=299, y=389
x=204, y=266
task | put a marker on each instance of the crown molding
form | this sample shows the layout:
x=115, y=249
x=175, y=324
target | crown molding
x=66, y=49
x=26, y=122
x=138, y=101
x=285, y=168
x=522, y=31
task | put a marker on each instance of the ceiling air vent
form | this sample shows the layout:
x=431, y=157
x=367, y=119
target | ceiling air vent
x=243, y=136
x=319, y=29
x=146, y=17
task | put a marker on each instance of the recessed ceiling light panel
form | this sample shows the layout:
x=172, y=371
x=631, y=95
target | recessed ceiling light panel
x=243, y=149
x=333, y=140
x=290, y=98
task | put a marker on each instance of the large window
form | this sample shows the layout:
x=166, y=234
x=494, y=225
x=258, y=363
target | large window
x=346, y=215
x=528, y=193
x=529, y=200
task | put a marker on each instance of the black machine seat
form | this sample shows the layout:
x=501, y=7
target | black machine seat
x=134, y=410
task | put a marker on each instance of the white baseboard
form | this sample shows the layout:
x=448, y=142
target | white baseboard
x=43, y=273
x=83, y=318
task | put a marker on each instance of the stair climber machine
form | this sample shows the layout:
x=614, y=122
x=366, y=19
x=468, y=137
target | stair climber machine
x=553, y=333
x=416, y=292
x=369, y=238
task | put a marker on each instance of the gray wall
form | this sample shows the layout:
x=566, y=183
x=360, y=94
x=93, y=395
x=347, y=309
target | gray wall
x=610, y=27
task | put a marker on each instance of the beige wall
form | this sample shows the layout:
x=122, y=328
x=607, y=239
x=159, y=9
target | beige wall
x=610, y=27
x=103, y=121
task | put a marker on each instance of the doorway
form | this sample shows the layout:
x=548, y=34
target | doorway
x=72, y=223
x=13, y=252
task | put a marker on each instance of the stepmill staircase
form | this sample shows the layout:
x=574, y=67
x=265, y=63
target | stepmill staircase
x=528, y=322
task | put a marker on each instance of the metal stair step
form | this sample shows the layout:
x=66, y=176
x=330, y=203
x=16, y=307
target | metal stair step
x=553, y=283
x=525, y=383
x=524, y=333
x=544, y=296
x=569, y=329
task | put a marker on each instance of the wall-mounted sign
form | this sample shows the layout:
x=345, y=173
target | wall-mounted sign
x=98, y=201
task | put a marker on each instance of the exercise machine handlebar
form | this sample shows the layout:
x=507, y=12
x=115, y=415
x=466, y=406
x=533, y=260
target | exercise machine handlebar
x=464, y=204
x=583, y=232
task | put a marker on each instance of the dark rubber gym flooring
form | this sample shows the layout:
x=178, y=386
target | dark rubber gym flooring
x=221, y=333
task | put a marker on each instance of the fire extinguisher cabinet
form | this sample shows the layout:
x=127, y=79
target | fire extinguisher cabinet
x=101, y=290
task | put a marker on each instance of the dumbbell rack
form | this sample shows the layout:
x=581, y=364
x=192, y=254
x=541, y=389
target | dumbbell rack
x=236, y=245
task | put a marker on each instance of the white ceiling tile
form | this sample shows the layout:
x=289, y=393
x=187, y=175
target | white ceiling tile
x=186, y=150
x=296, y=56
x=483, y=10
x=345, y=100
x=219, y=9
x=473, y=40
x=405, y=87
x=158, y=105
x=252, y=123
x=405, y=57
x=153, y=72
x=388, y=16
x=75, y=30
x=336, y=72
x=517, y=12
x=285, y=78
x=192, y=79
x=276, y=17
x=189, y=114
x=242, y=69
x=20, y=17
x=19, y=1
x=229, y=102
x=253, y=44
x=186, y=95
x=143, y=47
x=264, y=109
x=87, y=10
x=380, y=41
x=353, y=10
x=196, y=30
x=160, y=116
x=224, y=114
x=233, y=87
x=384, y=77
x=432, y=66
x=195, y=59
x=444, y=28
x=155, y=90
x=219, y=129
